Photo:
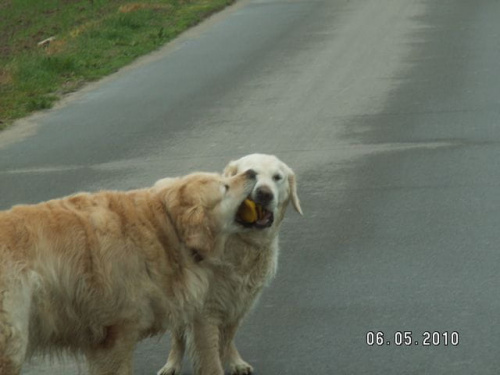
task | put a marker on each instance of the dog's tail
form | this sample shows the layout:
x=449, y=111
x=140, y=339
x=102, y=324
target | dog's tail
x=15, y=300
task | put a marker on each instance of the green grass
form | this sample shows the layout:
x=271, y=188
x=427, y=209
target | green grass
x=93, y=38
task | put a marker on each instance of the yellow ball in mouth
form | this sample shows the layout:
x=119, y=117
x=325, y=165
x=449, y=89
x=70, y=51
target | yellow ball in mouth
x=250, y=212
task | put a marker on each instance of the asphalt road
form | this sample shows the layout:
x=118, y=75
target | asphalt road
x=389, y=113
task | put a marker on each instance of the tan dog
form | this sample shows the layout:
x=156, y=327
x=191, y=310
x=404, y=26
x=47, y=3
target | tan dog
x=248, y=264
x=95, y=273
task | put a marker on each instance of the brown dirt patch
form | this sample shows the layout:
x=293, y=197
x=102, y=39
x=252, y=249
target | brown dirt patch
x=5, y=77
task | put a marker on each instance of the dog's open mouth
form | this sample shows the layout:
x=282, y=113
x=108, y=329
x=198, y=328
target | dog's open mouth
x=252, y=215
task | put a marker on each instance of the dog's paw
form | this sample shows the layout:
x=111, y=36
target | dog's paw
x=169, y=369
x=240, y=368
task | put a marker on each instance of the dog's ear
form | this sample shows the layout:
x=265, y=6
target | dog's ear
x=293, y=192
x=197, y=232
x=230, y=170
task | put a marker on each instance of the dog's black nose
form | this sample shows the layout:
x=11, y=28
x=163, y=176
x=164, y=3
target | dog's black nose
x=264, y=195
x=251, y=174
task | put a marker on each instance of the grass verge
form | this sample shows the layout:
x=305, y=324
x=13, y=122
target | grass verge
x=88, y=39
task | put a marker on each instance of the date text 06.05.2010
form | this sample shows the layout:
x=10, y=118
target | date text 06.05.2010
x=408, y=338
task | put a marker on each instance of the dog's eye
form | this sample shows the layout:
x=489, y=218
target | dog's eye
x=277, y=177
x=226, y=186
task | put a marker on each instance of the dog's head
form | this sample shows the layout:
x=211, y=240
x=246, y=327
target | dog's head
x=202, y=206
x=274, y=189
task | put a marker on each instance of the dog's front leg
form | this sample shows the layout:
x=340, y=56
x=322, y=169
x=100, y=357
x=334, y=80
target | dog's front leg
x=229, y=352
x=204, y=346
x=178, y=346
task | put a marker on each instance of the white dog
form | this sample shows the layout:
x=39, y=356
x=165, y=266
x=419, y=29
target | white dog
x=248, y=264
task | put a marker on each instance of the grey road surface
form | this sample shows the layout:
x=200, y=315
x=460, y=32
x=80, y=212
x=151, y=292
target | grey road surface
x=389, y=111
